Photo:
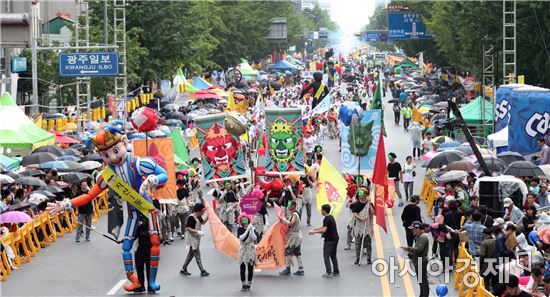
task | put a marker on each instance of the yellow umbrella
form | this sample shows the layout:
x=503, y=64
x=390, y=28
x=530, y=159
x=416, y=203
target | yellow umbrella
x=424, y=109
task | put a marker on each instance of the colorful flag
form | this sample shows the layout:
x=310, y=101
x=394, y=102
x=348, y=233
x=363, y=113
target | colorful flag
x=331, y=188
x=270, y=251
x=180, y=150
x=380, y=180
x=224, y=241
x=363, y=138
x=322, y=107
x=377, y=97
x=231, y=105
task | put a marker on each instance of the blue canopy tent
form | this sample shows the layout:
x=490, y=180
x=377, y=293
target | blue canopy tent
x=283, y=65
x=199, y=83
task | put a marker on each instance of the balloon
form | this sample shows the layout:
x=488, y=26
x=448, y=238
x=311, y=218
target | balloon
x=144, y=119
x=441, y=290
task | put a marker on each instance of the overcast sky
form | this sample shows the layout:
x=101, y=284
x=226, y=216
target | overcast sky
x=351, y=15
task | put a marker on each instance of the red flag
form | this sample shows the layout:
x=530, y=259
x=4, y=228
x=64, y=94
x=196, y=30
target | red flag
x=380, y=179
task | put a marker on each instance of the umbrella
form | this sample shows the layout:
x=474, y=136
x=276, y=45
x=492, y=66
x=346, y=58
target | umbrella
x=36, y=198
x=75, y=177
x=465, y=149
x=3, y=206
x=71, y=151
x=62, y=138
x=68, y=158
x=523, y=168
x=38, y=158
x=6, y=179
x=51, y=189
x=442, y=104
x=460, y=165
x=429, y=155
x=90, y=165
x=174, y=122
x=49, y=149
x=448, y=145
x=62, y=166
x=509, y=157
x=545, y=168
x=494, y=164
x=92, y=157
x=174, y=115
x=30, y=181
x=14, y=217
x=45, y=193
x=393, y=101
x=452, y=175
x=441, y=139
x=444, y=158
x=13, y=175
x=8, y=163
x=18, y=206
x=77, y=146
x=32, y=172
x=205, y=95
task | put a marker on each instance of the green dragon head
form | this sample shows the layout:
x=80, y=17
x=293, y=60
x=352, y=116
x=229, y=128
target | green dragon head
x=360, y=139
x=282, y=141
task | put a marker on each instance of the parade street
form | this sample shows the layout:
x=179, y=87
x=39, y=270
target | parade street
x=89, y=268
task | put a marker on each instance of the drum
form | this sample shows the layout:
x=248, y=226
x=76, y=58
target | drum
x=233, y=124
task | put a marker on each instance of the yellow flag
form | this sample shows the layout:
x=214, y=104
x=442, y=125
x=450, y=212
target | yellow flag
x=331, y=188
x=419, y=118
x=38, y=120
x=231, y=105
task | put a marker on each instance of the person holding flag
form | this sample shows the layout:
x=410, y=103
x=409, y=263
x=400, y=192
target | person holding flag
x=363, y=211
x=320, y=90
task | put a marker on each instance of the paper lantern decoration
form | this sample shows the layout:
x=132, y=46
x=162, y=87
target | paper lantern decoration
x=144, y=119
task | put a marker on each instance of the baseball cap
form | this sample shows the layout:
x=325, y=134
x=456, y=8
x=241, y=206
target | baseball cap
x=498, y=221
x=415, y=224
x=507, y=202
x=543, y=185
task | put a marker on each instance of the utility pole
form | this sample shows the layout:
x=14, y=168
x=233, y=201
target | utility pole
x=35, y=13
x=119, y=40
x=509, y=41
x=105, y=19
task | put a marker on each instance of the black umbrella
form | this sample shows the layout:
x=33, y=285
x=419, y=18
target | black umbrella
x=509, y=157
x=54, y=149
x=45, y=193
x=174, y=115
x=19, y=206
x=445, y=158
x=77, y=146
x=494, y=164
x=71, y=151
x=52, y=189
x=75, y=177
x=466, y=149
x=13, y=175
x=92, y=157
x=38, y=158
x=523, y=168
x=3, y=169
x=30, y=181
x=32, y=172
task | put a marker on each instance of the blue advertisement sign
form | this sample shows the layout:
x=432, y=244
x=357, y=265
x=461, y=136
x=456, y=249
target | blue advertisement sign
x=376, y=36
x=406, y=25
x=503, y=105
x=529, y=121
x=88, y=64
x=18, y=64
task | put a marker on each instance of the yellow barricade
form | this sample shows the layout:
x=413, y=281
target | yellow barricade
x=466, y=270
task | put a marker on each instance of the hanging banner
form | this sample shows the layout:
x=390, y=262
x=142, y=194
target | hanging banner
x=221, y=157
x=224, y=241
x=529, y=121
x=162, y=151
x=284, y=138
x=270, y=251
x=362, y=141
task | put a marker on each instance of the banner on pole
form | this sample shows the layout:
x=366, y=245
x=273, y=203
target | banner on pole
x=361, y=140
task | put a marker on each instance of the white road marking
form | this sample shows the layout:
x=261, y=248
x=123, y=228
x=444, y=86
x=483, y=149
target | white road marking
x=116, y=287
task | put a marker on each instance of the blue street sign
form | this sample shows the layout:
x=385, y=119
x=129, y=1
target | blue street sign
x=376, y=36
x=88, y=64
x=18, y=64
x=406, y=25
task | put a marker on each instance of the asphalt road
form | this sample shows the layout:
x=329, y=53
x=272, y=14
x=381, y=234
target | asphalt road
x=95, y=268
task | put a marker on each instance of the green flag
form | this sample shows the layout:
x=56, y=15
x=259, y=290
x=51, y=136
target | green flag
x=377, y=101
x=180, y=150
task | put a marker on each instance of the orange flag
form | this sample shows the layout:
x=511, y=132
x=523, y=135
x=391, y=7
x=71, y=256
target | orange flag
x=270, y=251
x=224, y=241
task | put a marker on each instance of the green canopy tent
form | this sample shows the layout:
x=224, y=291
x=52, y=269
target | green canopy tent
x=474, y=118
x=246, y=69
x=18, y=132
x=403, y=65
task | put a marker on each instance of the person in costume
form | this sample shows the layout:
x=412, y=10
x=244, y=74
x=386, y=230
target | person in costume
x=259, y=219
x=228, y=205
x=193, y=236
x=363, y=212
x=320, y=90
x=293, y=240
x=128, y=174
x=247, y=250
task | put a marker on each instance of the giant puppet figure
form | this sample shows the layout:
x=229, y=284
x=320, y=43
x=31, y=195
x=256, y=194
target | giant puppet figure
x=126, y=175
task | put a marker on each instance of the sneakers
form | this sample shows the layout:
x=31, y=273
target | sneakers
x=356, y=261
x=327, y=275
x=77, y=240
x=347, y=248
x=369, y=261
x=285, y=272
x=151, y=291
x=204, y=273
x=139, y=290
x=185, y=272
x=299, y=272
x=336, y=274
x=400, y=204
x=88, y=239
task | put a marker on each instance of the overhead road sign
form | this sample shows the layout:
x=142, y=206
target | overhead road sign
x=406, y=26
x=88, y=64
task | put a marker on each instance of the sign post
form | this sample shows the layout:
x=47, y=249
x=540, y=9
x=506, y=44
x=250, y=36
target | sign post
x=88, y=64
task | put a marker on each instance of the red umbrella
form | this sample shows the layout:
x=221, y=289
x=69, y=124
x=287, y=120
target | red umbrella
x=205, y=94
x=61, y=138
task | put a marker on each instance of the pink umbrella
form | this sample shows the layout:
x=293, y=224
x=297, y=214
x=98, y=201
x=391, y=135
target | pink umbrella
x=429, y=155
x=14, y=217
